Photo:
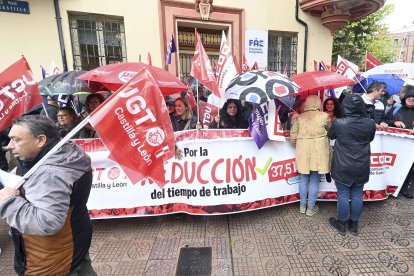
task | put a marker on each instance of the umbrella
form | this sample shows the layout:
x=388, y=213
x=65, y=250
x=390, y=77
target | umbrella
x=113, y=76
x=402, y=69
x=320, y=80
x=260, y=86
x=66, y=84
x=393, y=82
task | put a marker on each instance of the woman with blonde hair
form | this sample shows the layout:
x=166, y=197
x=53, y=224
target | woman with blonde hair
x=183, y=118
x=309, y=135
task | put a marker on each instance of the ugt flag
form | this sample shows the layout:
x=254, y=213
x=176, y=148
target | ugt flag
x=226, y=68
x=134, y=125
x=19, y=92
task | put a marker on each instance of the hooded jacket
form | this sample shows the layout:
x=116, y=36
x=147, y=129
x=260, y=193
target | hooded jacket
x=404, y=114
x=353, y=134
x=309, y=134
x=51, y=214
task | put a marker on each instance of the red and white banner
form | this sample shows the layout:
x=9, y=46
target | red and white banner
x=226, y=68
x=207, y=113
x=216, y=177
x=346, y=68
x=19, y=92
x=245, y=67
x=135, y=126
x=274, y=126
x=201, y=67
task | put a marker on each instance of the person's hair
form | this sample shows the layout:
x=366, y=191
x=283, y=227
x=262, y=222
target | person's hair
x=189, y=113
x=404, y=89
x=71, y=113
x=376, y=86
x=100, y=98
x=39, y=125
x=338, y=112
x=226, y=119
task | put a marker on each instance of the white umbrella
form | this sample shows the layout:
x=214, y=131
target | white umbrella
x=401, y=69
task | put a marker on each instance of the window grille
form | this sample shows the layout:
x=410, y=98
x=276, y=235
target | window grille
x=211, y=40
x=282, y=52
x=96, y=40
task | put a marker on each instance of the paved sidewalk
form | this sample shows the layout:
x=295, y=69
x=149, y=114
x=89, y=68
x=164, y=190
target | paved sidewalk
x=274, y=241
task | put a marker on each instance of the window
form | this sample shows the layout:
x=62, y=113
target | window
x=97, y=40
x=211, y=40
x=282, y=52
x=395, y=42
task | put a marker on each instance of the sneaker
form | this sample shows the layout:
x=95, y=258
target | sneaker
x=312, y=210
x=302, y=208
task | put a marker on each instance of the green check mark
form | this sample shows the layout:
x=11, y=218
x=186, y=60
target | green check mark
x=266, y=167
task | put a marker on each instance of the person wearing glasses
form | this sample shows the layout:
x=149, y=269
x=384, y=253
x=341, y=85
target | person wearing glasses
x=67, y=120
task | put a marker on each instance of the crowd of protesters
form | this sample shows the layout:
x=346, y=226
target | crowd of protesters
x=313, y=123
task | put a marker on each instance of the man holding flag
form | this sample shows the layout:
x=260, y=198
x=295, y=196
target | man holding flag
x=50, y=223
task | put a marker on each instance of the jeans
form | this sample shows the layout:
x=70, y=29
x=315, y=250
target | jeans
x=309, y=188
x=344, y=206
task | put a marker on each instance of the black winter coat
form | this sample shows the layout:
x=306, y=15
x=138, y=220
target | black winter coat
x=352, y=152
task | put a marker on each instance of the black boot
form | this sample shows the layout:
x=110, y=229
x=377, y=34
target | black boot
x=338, y=225
x=353, y=227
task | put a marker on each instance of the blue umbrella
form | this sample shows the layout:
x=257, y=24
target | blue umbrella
x=394, y=83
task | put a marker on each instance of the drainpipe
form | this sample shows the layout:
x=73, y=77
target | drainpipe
x=305, y=55
x=60, y=33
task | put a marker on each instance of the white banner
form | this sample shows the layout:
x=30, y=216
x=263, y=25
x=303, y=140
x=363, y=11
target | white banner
x=229, y=174
x=256, y=48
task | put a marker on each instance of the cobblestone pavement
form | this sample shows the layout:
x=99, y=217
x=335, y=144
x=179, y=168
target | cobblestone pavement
x=273, y=241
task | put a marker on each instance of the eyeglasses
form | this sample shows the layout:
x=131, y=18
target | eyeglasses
x=62, y=115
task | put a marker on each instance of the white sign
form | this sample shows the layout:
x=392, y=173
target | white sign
x=256, y=48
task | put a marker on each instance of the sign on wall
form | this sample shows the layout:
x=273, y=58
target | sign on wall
x=14, y=6
x=256, y=47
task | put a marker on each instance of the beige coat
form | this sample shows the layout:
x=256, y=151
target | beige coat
x=309, y=135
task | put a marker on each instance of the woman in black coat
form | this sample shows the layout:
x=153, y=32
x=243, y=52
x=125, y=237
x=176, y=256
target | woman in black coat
x=231, y=116
x=351, y=161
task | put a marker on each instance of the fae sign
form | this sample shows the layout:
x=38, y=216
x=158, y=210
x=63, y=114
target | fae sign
x=256, y=47
x=14, y=6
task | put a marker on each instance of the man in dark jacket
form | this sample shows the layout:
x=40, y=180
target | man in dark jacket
x=403, y=117
x=50, y=223
x=374, y=107
x=351, y=161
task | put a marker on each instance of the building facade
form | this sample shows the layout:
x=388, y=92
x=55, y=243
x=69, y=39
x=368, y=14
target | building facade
x=404, y=39
x=280, y=35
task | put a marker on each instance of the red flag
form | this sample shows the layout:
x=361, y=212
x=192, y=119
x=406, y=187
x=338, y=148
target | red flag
x=371, y=61
x=214, y=66
x=236, y=63
x=245, y=67
x=201, y=67
x=149, y=60
x=191, y=100
x=315, y=65
x=144, y=138
x=255, y=66
x=207, y=113
x=19, y=92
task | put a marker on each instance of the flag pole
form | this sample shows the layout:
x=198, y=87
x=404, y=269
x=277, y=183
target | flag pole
x=198, y=108
x=51, y=151
x=366, y=59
